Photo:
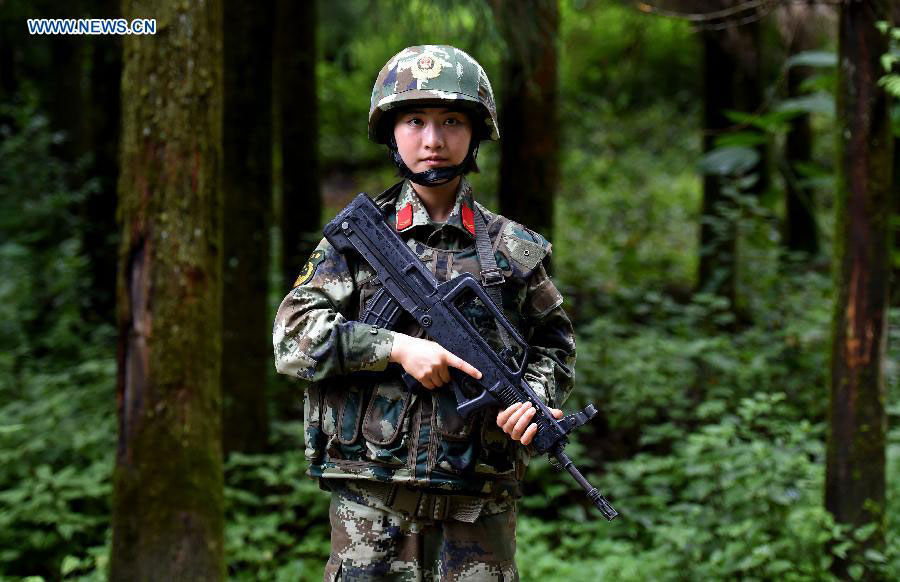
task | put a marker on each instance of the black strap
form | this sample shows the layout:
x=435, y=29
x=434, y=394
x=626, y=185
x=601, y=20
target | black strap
x=491, y=276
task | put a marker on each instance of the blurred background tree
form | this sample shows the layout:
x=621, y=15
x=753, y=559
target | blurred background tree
x=682, y=156
x=167, y=504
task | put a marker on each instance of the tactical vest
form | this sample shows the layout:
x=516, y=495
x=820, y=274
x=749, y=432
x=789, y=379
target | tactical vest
x=371, y=426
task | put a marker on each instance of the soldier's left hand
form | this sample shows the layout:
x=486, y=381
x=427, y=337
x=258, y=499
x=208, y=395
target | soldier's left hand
x=514, y=421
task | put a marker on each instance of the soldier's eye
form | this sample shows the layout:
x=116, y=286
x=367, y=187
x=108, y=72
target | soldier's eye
x=415, y=121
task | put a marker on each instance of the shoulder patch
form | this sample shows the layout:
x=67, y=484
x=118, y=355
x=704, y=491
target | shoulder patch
x=523, y=245
x=525, y=252
x=309, y=268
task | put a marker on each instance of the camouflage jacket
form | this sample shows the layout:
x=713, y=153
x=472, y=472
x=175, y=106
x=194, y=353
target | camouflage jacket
x=360, y=420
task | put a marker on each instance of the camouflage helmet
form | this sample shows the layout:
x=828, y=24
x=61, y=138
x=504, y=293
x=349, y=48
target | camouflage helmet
x=433, y=75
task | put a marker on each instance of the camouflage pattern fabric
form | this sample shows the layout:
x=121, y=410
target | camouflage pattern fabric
x=370, y=543
x=369, y=426
x=433, y=74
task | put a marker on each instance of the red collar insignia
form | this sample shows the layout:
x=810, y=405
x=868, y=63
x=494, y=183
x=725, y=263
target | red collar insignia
x=468, y=218
x=404, y=217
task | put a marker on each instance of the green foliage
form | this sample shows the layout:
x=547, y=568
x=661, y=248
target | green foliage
x=739, y=498
x=276, y=517
x=614, y=54
x=629, y=197
x=57, y=401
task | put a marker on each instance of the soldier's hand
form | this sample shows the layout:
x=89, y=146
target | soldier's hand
x=427, y=361
x=514, y=421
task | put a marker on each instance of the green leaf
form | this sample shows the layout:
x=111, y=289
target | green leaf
x=819, y=102
x=865, y=532
x=729, y=161
x=741, y=138
x=812, y=59
x=69, y=565
x=875, y=556
x=891, y=84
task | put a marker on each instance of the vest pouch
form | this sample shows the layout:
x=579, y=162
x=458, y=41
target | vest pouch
x=386, y=412
x=313, y=437
x=447, y=421
x=492, y=436
x=498, y=451
x=350, y=416
x=333, y=396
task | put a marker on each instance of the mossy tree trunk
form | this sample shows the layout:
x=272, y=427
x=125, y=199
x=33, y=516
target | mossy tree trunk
x=168, y=501
x=297, y=121
x=246, y=319
x=855, y=464
x=529, y=131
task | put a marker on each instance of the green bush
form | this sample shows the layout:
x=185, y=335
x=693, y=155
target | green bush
x=57, y=395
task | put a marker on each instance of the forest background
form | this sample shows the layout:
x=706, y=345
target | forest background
x=687, y=168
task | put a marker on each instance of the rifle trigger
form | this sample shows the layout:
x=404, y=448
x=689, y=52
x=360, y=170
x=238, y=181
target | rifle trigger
x=573, y=421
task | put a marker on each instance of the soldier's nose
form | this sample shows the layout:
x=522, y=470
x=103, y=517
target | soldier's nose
x=432, y=138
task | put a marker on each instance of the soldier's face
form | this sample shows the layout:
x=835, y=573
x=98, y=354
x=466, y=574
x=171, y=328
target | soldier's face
x=432, y=137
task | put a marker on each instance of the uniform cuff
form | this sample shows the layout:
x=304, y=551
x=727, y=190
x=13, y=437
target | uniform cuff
x=374, y=345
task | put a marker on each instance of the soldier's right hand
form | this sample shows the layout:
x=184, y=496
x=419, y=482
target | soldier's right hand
x=427, y=361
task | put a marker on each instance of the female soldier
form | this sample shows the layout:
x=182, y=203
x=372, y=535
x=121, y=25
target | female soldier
x=418, y=492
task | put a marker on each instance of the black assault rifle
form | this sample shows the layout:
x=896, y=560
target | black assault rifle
x=406, y=285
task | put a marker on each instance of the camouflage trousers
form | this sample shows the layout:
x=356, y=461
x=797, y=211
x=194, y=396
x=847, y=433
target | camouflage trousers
x=375, y=543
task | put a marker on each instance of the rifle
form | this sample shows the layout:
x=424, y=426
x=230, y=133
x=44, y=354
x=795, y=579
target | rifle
x=407, y=286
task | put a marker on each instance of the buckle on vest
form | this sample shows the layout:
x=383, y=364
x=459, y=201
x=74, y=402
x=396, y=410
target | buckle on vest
x=491, y=277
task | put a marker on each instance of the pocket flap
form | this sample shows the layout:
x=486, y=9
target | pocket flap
x=385, y=413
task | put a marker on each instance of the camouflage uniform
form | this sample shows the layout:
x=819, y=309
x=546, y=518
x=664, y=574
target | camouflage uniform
x=418, y=492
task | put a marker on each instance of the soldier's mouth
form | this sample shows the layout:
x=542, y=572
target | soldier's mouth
x=434, y=161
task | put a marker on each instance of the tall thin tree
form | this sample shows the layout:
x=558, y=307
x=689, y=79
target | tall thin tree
x=168, y=492
x=99, y=207
x=246, y=319
x=855, y=461
x=297, y=119
x=895, y=257
x=800, y=227
x=731, y=82
x=529, y=144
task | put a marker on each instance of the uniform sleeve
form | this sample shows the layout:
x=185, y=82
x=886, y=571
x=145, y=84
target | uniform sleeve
x=312, y=337
x=551, y=364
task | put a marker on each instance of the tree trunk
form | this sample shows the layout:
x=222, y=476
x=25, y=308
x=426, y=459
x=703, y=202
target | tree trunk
x=65, y=97
x=718, y=234
x=529, y=132
x=895, y=258
x=98, y=210
x=297, y=114
x=800, y=229
x=247, y=322
x=732, y=81
x=168, y=501
x=855, y=478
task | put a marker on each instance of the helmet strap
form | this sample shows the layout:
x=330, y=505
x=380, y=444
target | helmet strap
x=436, y=176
